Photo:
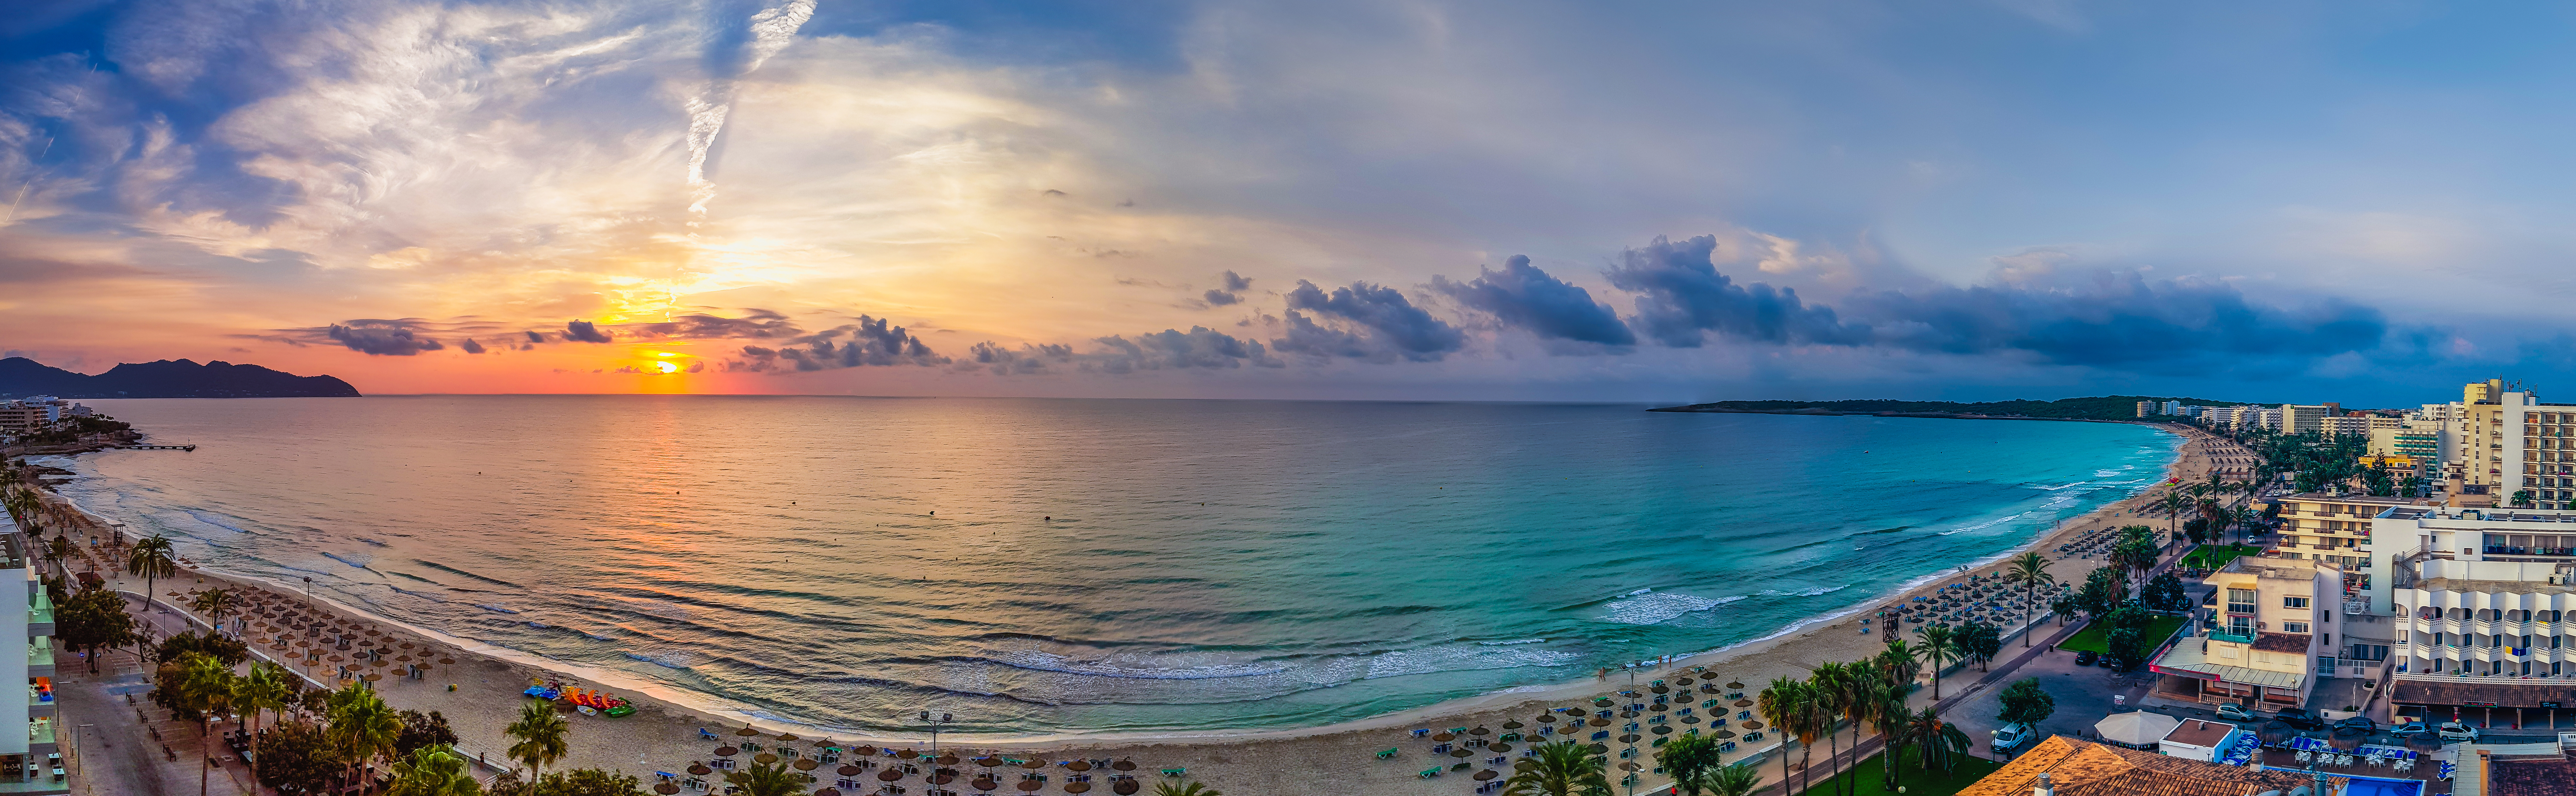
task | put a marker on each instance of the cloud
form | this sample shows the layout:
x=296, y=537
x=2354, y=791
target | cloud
x=1681, y=298
x=470, y=346
x=2031, y=307
x=535, y=337
x=584, y=331
x=381, y=338
x=759, y=324
x=1200, y=347
x=1395, y=327
x=873, y=342
x=1523, y=296
x=1235, y=284
x=1025, y=360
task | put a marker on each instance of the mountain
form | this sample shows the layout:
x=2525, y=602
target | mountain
x=168, y=378
x=2107, y=407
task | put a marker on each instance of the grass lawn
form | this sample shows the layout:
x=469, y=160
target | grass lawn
x=2211, y=557
x=2097, y=637
x=1917, y=782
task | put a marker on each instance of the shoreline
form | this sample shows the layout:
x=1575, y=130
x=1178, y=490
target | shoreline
x=663, y=734
x=720, y=708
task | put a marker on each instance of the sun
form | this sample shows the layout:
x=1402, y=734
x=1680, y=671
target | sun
x=666, y=367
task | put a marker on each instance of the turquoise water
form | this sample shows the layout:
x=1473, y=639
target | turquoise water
x=1071, y=566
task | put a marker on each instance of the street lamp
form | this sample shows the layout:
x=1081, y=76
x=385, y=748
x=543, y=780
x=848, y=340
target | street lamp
x=944, y=718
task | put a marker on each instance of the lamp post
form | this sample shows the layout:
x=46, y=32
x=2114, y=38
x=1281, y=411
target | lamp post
x=944, y=718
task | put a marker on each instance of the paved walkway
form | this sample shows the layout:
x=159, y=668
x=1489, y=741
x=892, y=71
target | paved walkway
x=112, y=745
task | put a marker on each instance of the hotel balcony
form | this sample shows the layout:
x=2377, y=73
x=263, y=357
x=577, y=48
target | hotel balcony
x=40, y=657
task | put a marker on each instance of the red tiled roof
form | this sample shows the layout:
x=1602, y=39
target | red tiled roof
x=2503, y=695
x=2082, y=768
x=2531, y=776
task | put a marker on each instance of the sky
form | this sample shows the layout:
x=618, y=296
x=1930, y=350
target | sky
x=2346, y=201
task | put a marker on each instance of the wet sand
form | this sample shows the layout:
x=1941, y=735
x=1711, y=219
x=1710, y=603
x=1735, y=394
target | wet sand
x=663, y=735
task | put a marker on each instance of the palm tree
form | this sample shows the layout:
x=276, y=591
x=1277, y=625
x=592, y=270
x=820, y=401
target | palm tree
x=362, y=725
x=2031, y=570
x=1860, y=684
x=762, y=779
x=1943, y=743
x=265, y=689
x=213, y=603
x=2061, y=606
x=1887, y=712
x=21, y=503
x=1184, y=789
x=1564, y=768
x=151, y=559
x=1899, y=663
x=1689, y=758
x=1734, y=780
x=207, y=687
x=1825, y=705
x=1940, y=648
x=1782, y=704
x=541, y=732
x=434, y=771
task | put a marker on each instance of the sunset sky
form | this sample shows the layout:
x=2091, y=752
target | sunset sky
x=2362, y=201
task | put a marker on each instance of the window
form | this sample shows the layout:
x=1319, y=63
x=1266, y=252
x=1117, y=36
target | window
x=2240, y=601
x=2294, y=627
x=2240, y=625
x=2294, y=602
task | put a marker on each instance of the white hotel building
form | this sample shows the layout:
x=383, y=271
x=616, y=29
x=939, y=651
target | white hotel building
x=2483, y=600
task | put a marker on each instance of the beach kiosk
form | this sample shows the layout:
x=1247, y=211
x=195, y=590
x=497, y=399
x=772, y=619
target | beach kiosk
x=2205, y=741
x=2136, y=730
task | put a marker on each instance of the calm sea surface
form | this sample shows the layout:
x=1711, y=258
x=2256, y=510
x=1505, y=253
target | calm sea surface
x=1074, y=566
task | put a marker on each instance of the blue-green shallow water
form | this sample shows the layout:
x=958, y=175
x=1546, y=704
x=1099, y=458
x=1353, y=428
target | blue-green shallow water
x=1208, y=564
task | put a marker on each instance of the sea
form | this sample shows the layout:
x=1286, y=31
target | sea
x=1049, y=567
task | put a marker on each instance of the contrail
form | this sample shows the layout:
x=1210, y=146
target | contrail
x=30, y=183
x=771, y=30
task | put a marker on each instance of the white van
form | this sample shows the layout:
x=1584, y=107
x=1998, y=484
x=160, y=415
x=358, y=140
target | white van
x=2011, y=736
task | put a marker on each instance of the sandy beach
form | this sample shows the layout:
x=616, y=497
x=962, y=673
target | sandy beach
x=665, y=732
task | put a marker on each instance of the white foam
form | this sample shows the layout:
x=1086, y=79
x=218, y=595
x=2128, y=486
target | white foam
x=1650, y=607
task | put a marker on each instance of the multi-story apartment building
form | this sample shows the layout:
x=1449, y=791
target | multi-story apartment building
x=2515, y=443
x=2220, y=416
x=19, y=418
x=30, y=763
x=2482, y=599
x=2147, y=409
x=2273, y=635
x=2298, y=419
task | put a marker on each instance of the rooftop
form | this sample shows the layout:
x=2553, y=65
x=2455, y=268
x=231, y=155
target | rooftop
x=2282, y=642
x=2081, y=768
x=2284, y=568
x=2196, y=732
x=2435, y=690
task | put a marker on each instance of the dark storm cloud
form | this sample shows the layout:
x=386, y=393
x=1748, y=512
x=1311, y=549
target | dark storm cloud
x=381, y=338
x=2104, y=318
x=584, y=331
x=1521, y=295
x=2117, y=319
x=1681, y=298
x=1395, y=327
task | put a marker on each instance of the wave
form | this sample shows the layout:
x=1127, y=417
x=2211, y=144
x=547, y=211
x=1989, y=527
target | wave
x=1650, y=607
x=454, y=571
x=346, y=560
x=494, y=608
x=1049, y=662
x=209, y=519
x=1511, y=643
x=1808, y=592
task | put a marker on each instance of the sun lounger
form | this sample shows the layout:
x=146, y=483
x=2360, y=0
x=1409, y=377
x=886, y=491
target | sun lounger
x=1389, y=754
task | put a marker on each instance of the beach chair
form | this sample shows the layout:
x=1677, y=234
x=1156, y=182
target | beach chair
x=1174, y=772
x=2302, y=756
x=704, y=734
x=1422, y=733
x=1389, y=754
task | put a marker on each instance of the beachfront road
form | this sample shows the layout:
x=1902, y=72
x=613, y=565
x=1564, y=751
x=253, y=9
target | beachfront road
x=119, y=742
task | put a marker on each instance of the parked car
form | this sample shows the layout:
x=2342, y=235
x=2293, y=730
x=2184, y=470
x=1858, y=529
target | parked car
x=2299, y=718
x=2235, y=713
x=2011, y=736
x=2410, y=729
x=2361, y=722
x=2086, y=658
x=2115, y=664
x=2455, y=731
